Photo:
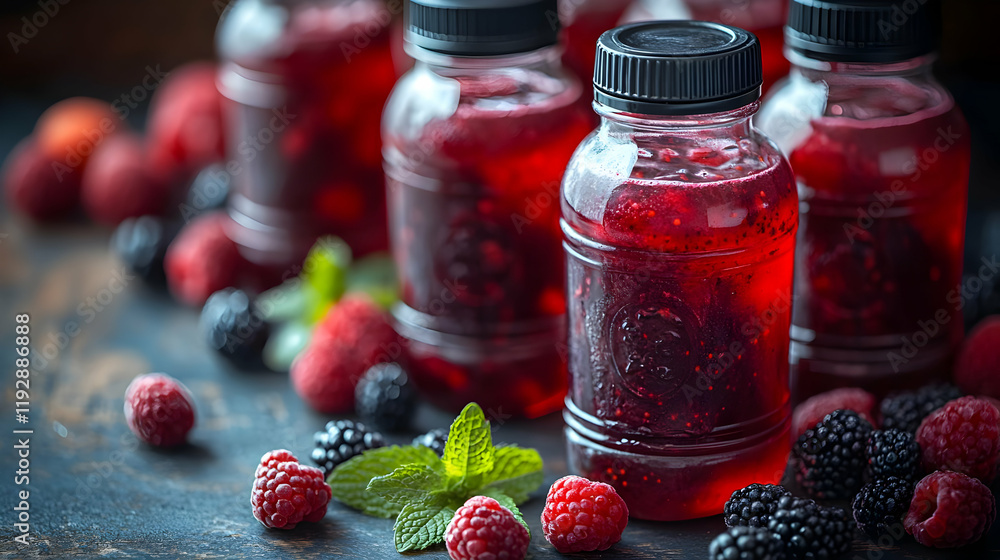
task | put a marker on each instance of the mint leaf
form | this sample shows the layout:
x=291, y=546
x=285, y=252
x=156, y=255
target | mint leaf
x=420, y=526
x=507, y=502
x=375, y=275
x=325, y=274
x=517, y=472
x=469, y=450
x=349, y=481
x=409, y=484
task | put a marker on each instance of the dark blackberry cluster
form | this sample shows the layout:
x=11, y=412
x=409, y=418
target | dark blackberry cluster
x=905, y=411
x=746, y=543
x=434, y=439
x=752, y=506
x=880, y=506
x=893, y=452
x=385, y=398
x=810, y=531
x=234, y=327
x=342, y=440
x=829, y=459
x=141, y=244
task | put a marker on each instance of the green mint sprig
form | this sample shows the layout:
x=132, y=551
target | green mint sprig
x=422, y=491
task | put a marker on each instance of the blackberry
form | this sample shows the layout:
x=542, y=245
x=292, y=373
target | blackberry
x=880, y=506
x=385, y=398
x=829, y=459
x=906, y=410
x=434, y=439
x=342, y=440
x=893, y=452
x=752, y=506
x=746, y=543
x=141, y=244
x=208, y=191
x=810, y=531
x=234, y=327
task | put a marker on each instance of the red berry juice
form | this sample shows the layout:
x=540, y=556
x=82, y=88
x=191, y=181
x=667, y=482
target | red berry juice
x=306, y=82
x=680, y=235
x=475, y=149
x=881, y=157
x=585, y=21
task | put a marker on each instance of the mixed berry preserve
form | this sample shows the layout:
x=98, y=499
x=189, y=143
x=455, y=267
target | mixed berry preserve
x=764, y=18
x=476, y=139
x=306, y=81
x=881, y=156
x=679, y=220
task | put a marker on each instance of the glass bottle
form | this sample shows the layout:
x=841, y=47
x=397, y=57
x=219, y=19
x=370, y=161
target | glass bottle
x=679, y=220
x=881, y=156
x=476, y=139
x=305, y=82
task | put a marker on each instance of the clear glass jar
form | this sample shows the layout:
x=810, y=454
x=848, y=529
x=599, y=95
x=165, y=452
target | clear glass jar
x=475, y=148
x=679, y=233
x=306, y=81
x=881, y=156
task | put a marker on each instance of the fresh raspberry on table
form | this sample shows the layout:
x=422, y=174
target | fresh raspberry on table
x=38, y=186
x=949, y=509
x=159, y=409
x=118, y=183
x=813, y=410
x=482, y=529
x=285, y=492
x=581, y=515
x=353, y=336
x=963, y=436
x=202, y=260
x=979, y=360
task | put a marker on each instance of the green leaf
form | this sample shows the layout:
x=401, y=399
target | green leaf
x=375, y=275
x=286, y=302
x=507, y=502
x=420, y=526
x=409, y=484
x=349, y=481
x=517, y=472
x=325, y=275
x=469, y=450
x=285, y=344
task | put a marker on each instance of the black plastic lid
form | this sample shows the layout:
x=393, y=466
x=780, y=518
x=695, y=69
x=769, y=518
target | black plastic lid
x=677, y=68
x=482, y=27
x=863, y=30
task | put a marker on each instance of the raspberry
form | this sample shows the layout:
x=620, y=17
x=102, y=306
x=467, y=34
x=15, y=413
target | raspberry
x=435, y=439
x=829, y=459
x=810, y=531
x=752, y=506
x=385, y=397
x=963, y=436
x=233, y=326
x=949, y=509
x=159, y=409
x=285, y=492
x=906, y=410
x=118, y=183
x=815, y=408
x=880, y=505
x=342, y=440
x=581, y=515
x=482, y=529
x=893, y=453
x=35, y=188
x=746, y=543
x=979, y=359
x=353, y=336
x=141, y=244
x=202, y=260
